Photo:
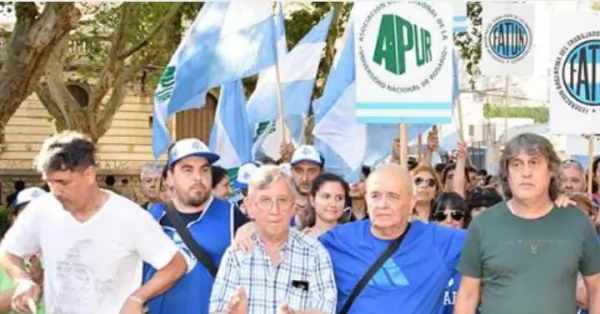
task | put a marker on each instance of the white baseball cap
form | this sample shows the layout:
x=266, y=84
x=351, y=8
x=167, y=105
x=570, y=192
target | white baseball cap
x=27, y=195
x=244, y=175
x=306, y=153
x=190, y=147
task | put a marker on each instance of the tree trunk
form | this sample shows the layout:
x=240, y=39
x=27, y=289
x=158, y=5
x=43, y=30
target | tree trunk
x=33, y=39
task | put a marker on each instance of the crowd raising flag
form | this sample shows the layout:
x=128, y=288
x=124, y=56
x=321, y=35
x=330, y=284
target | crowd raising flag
x=231, y=136
x=227, y=42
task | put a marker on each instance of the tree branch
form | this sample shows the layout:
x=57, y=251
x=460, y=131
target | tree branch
x=31, y=43
x=26, y=11
x=43, y=93
x=107, y=77
x=171, y=14
x=119, y=91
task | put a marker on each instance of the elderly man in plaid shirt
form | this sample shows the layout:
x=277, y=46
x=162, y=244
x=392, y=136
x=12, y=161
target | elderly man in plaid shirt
x=287, y=272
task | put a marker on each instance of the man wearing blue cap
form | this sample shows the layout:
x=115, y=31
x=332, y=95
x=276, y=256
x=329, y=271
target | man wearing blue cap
x=200, y=224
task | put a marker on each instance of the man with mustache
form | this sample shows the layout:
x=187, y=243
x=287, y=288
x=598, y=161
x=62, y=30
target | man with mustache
x=208, y=221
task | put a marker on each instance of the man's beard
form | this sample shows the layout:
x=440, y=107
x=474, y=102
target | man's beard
x=198, y=199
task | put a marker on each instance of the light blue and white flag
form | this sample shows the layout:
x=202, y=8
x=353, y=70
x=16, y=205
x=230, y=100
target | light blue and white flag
x=298, y=71
x=338, y=135
x=267, y=134
x=231, y=136
x=209, y=55
x=460, y=20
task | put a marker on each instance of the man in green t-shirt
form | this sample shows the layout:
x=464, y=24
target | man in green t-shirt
x=523, y=256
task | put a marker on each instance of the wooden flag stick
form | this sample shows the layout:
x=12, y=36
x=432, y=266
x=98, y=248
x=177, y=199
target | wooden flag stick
x=278, y=87
x=590, y=163
x=506, y=109
x=403, y=136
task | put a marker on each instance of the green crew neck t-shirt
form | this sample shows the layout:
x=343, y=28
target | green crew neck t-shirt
x=530, y=266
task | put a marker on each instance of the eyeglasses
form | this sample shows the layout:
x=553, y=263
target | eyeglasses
x=454, y=214
x=429, y=182
x=267, y=203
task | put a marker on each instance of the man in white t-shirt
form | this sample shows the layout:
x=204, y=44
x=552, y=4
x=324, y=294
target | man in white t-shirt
x=94, y=242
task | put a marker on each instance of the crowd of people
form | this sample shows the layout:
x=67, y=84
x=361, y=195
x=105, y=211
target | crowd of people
x=407, y=238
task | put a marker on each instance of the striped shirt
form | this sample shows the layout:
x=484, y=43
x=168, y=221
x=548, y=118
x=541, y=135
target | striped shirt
x=303, y=280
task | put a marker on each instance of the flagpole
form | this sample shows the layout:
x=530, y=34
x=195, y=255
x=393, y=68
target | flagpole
x=278, y=83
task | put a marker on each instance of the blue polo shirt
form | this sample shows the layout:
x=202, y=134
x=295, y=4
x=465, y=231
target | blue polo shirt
x=212, y=229
x=412, y=280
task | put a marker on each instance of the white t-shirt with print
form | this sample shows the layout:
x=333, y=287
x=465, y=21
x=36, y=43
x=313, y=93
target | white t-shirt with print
x=90, y=267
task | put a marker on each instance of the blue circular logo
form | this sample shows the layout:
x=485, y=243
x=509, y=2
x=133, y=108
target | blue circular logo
x=508, y=39
x=581, y=72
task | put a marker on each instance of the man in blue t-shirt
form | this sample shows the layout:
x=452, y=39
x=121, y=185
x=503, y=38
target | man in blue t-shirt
x=211, y=222
x=414, y=278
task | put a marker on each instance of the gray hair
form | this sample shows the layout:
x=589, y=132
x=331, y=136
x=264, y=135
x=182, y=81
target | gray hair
x=264, y=177
x=571, y=163
x=151, y=168
x=532, y=144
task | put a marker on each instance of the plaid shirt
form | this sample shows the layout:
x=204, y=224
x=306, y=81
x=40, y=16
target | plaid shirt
x=303, y=279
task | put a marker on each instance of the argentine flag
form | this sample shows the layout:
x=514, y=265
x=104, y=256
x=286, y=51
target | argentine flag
x=298, y=71
x=231, y=136
x=227, y=41
x=460, y=19
x=267, y=135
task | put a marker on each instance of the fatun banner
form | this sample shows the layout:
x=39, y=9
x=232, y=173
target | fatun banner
x=575, y=60
x=403, y=62
x=507, y=39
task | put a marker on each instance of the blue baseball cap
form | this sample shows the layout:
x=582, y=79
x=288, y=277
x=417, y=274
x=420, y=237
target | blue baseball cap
x=27, y=195
x=244, y=175
x=190, y=147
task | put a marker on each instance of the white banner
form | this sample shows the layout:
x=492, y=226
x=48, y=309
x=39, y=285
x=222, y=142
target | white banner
x=574, y=58
x=507, y=39
x=403, y=62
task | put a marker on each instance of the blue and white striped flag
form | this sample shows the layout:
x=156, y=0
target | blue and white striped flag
x=268, y=137
x=338, y=136
x=298, y=71
x=460, y=21
x=231, y=136
x=209, y=55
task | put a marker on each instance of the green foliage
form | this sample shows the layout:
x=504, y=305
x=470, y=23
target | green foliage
x=469, y=43
x=96, y=32
x=538, y=114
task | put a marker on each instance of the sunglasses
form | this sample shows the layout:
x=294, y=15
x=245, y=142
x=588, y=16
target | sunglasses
x=429, y=182
x=454, y=214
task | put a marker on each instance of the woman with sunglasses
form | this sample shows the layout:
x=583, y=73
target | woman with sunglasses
x=451, y=210
x=426, y=186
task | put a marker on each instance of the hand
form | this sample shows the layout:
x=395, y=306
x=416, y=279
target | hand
x=285, y=309
x=239, y=302
x=563, y=201
x=461, y=150
x=243, y=238
x=36, y=271
x=25, y=297
x=132, y=306
x=433, y=139
x=286, y=150
x=396, y=150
